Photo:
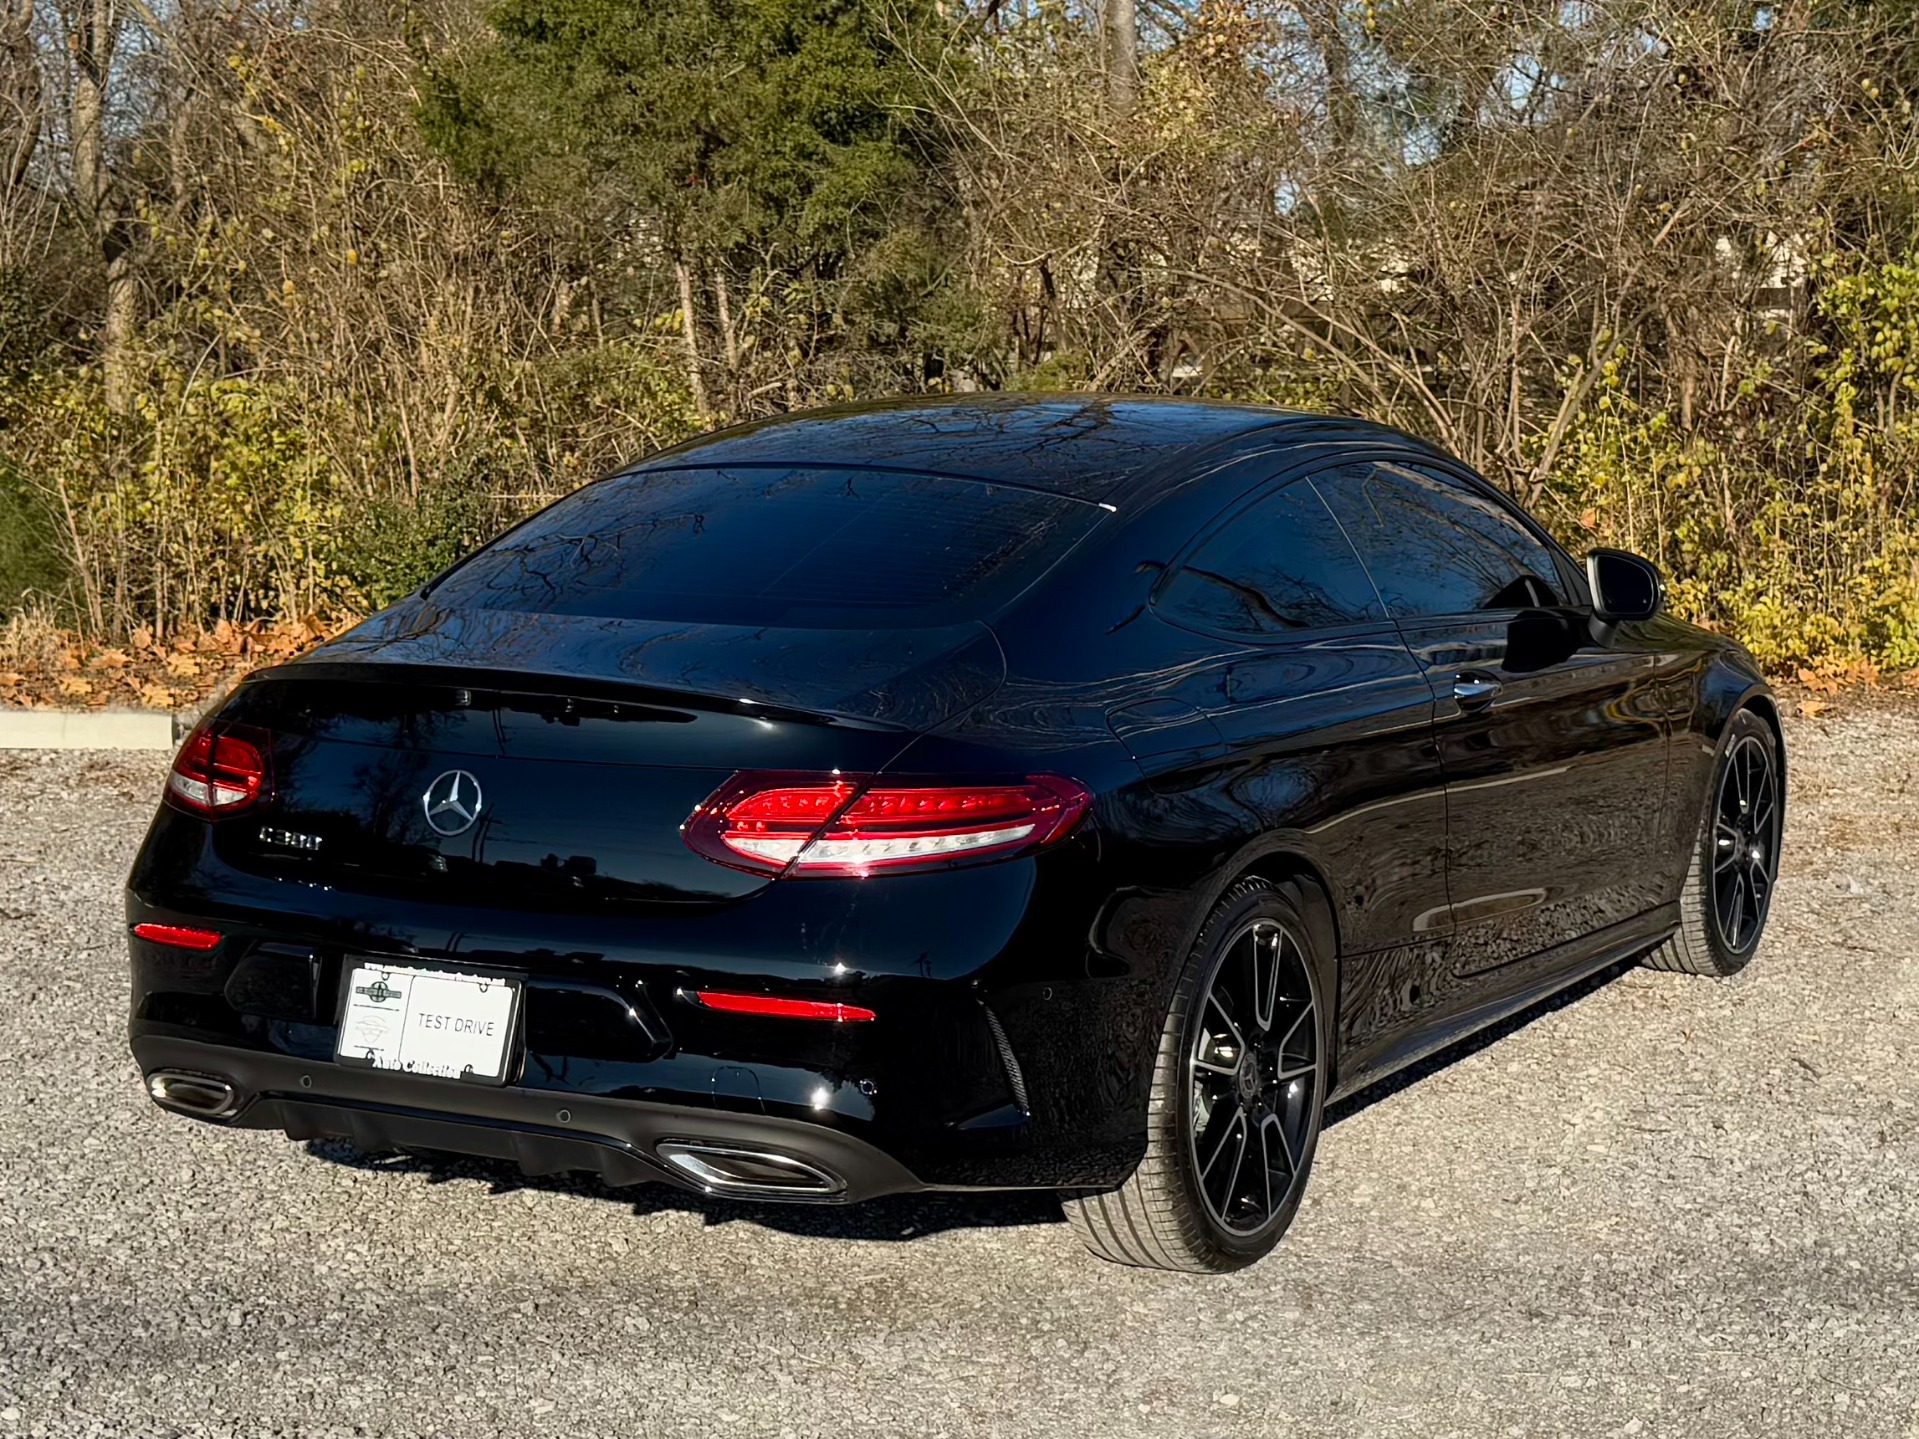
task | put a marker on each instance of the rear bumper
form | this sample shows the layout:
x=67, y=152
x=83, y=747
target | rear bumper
x=544, y=1132
x=1006, y=1053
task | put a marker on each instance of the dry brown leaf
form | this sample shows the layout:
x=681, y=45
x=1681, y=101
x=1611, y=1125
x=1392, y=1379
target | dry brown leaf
x=1812, y=709
x=1589, y=519
x=1819, y=682
x=142, y=637
x=157, y=696
x=182, y=666
x=284, y=640
x=111, y=660
x=11, y=678
x=74, y=687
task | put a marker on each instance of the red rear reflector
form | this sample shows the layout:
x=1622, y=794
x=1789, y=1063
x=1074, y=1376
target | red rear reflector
x=220, y=771
x=177, y=935
x=818, y=824
x=776, y=1008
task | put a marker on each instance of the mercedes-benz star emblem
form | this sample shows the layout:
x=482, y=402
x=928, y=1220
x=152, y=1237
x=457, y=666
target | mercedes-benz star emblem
x=452, y=802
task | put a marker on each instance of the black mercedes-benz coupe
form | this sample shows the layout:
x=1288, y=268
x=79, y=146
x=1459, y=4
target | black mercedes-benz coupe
x=1073, y=793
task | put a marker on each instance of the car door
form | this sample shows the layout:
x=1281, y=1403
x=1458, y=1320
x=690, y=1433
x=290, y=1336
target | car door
x=1325, y=720
x=1551, y=733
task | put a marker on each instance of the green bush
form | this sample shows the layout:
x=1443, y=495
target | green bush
x=33, y=566
x=396, y=544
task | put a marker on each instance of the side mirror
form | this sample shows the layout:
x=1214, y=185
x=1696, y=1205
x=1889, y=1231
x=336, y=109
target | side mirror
x=1539, y=639
x=1624, y=586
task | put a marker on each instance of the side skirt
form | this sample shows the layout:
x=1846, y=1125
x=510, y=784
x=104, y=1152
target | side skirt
x=1503, y=992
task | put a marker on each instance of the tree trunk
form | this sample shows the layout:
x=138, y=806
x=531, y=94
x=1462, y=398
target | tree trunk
x=689, y=326
x=117, y=331
x=729, y=337
x=92, y=43
x=1120, y=22
x=21, y=119
x=1323, y=23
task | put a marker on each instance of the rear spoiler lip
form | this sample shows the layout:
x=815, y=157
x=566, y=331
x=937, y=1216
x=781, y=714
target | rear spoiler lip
x=368, y=670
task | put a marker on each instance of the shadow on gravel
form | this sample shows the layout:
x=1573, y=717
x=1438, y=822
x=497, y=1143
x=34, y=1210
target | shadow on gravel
x=897, y=1217
x=893, y=1218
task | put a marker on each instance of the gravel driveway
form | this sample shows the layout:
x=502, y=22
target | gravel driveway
x=1665, y=1206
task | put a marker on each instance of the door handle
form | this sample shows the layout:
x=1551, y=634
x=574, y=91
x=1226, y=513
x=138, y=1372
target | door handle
x=1472, y=692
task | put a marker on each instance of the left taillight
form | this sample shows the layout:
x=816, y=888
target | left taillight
x=221, y=770
x=829, y=824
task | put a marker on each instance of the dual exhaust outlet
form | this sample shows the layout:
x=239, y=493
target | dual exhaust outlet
x=726, y=1169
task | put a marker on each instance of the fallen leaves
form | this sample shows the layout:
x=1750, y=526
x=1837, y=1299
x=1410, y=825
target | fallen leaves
x=173, y=673
x=1831, y=676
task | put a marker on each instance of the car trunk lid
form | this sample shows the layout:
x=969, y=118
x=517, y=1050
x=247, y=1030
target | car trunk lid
x=428, y=761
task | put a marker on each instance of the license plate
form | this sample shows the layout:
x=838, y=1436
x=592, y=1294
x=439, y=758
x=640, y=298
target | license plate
x=428, y=1021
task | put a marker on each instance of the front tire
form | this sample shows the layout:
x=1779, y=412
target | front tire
x=1735, y=861
x=1238, y=1093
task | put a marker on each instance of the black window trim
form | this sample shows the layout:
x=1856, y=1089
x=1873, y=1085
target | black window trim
x=1486, y=489
x=1256, y=494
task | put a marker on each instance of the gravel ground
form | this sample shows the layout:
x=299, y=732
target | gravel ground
x=1665, y=1206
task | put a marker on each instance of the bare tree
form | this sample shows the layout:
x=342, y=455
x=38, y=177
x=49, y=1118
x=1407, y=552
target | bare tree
x=92, y=41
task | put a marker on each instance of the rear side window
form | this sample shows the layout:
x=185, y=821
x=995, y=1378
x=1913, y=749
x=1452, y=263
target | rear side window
x=806, y=546
x=1280, y=566
x=1436, y=546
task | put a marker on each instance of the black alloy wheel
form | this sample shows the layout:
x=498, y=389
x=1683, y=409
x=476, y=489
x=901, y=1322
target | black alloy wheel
x=1239, y=1087
x=1745, y=843
x=1256, y=1077
x=1735, y=863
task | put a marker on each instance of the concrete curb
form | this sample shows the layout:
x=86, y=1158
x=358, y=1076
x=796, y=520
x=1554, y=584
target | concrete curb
x=87, y=729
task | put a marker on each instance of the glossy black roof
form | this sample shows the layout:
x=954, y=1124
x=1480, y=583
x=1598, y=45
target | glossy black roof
x=1081, y=446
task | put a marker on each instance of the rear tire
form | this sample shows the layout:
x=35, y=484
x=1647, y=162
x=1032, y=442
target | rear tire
x=1735, y=859
x=1240, y=1081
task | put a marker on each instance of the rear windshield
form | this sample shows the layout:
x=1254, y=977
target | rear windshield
x=808, y=546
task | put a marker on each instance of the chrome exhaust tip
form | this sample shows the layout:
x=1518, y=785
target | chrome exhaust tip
x=206, y=1096
x=728, y=1169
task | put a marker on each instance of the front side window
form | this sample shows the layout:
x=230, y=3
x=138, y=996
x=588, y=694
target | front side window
x=1434, y=545
x=1280, y=566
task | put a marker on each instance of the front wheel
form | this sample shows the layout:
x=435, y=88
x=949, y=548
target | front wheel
x=1238, y=1093
x=1735, y=862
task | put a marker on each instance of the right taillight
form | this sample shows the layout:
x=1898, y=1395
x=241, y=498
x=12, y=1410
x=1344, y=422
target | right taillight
x=220, y=771
x=830, y=824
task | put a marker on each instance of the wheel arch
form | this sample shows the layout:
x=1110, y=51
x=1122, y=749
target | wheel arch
x=1728, y=684
x=1762, y=702
x=1291, y=868
x=1281, y=866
